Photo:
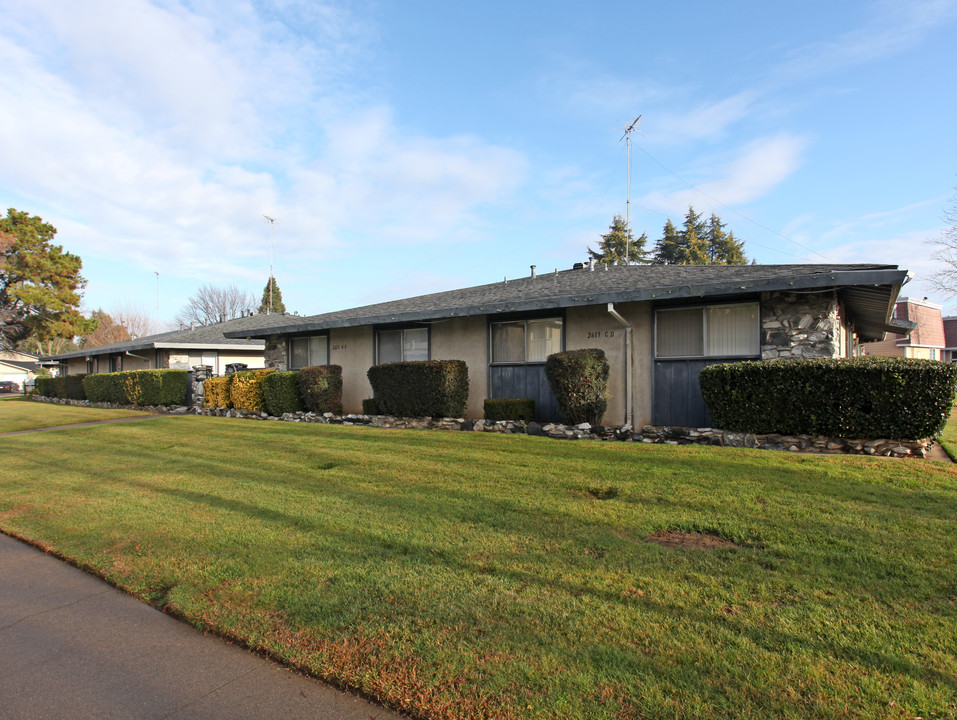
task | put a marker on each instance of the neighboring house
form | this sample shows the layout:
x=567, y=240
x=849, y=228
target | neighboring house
x=658, y=325
x=17, y=366
x=926, y=340
x=184, y=349
x=950, y=339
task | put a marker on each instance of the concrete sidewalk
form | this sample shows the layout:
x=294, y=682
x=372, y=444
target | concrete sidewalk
x=72, y=646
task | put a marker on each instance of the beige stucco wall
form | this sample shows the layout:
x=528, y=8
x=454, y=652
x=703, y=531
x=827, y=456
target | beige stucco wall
x=594, y=327
x=352, y=349
x=466, y=339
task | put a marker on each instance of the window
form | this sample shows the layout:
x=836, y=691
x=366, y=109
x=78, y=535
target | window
x=715, y=331
x=308, y=351
x=116, y=363
x=403, y=345
x=526, y=341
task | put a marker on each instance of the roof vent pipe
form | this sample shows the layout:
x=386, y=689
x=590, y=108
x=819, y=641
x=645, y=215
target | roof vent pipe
x=591, y=265
x=533, y=271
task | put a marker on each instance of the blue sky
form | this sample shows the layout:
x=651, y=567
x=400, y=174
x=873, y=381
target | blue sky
x=411, y=147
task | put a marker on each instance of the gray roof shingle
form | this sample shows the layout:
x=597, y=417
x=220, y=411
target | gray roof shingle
x=204, y=336
x=570, y=288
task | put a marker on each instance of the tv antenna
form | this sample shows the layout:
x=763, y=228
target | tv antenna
x=156, y=273
x=627, y=138
x=272, y=224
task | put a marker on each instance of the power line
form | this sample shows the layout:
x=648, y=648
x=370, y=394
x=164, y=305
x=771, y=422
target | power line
x=735, y=211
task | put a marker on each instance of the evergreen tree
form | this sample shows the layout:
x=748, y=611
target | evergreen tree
x=618, y=243
x=693, y=240
x=723, y=249
x=40, y=284
x=277, y=305
x=668, y=249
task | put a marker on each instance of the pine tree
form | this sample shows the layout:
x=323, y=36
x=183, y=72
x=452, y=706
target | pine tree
x=277, y=304
x=693, y=239
x=723, y=249
x=619, y=247
x=668, y=249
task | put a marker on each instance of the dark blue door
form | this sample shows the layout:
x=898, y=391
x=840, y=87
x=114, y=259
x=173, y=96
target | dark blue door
x=525, y=381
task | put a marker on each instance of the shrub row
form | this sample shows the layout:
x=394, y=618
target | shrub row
x=133, y=387
x=137, y=387
x=866, y=397
x=316, y=389
x=579, y=380
x=425, y=388
x=510, y=409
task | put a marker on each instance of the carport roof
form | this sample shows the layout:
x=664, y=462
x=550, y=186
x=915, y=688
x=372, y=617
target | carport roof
x=869, y=293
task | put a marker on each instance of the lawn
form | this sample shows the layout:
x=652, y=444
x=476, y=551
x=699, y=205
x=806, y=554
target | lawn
x=24, y=414
x=461, y=575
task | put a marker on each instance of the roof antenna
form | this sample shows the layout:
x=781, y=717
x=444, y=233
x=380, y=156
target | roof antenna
x=272, y=224
x=627, y=138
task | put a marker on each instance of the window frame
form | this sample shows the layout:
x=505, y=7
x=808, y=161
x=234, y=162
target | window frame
x=376, y=355
x=525, y=319
x=705, y=331
x=289, y=352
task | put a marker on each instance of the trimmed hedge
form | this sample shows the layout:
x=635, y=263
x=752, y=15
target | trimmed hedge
x=424, y=388
x=370, y=407
x=74, y=387
x=321, y=388
x=579, y=380
x=105, y=387
x=137, y=387
x=510, y=409
x=45, y=387
x=281, y=393
x=246, y=390
x=216, y=392
x=864, y=398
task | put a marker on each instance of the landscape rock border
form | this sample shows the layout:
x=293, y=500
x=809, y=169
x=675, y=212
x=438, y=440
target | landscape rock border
x=624, y=433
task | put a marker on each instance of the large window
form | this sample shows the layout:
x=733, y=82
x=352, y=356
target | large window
x=526, y=341
x=402, y=345
x=308, y=351
x=712, y=331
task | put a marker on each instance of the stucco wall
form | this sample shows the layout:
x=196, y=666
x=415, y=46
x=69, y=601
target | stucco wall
x=466, y=339
x=594, y=327
x=352, y=349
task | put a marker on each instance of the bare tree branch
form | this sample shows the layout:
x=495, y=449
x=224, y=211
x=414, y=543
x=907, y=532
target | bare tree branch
x=945, y=279
x=216, y=304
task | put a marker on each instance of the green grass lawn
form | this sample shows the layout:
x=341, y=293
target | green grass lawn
x=24, y=414
x=948, y=438
x=461, y=575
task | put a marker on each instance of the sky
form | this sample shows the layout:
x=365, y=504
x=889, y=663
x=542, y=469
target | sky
x=412, y=147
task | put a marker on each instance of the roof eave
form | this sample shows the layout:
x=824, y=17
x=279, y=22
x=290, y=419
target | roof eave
x=833, y=279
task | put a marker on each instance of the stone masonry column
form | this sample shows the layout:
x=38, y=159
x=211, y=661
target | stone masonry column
x=799, y=325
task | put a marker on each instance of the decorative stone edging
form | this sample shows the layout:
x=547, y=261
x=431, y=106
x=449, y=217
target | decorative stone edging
x=649, y=433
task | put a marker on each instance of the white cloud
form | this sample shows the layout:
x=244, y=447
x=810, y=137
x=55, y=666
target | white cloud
x=161, y=135
x=758, y=168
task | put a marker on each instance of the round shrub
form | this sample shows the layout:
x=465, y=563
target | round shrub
x=579, y=380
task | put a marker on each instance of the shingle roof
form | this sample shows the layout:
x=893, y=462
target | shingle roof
x=209, y=337
x=929, y=331
x=569, y=288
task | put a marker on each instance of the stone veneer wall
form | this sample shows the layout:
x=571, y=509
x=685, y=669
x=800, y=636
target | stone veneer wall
x=800, y=325
x=276, y=352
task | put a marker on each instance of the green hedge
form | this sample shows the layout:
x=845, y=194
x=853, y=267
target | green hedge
x=866, y=397
x=137, y=387
x=321, y=388
x=510, y=409
x=105, y=387
x=74, y=387
x=216, y=392
x=246, y=390
x=45, y=387
x=579, y=380
x=281, y=393
x=370, y=407
x=425, y=388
